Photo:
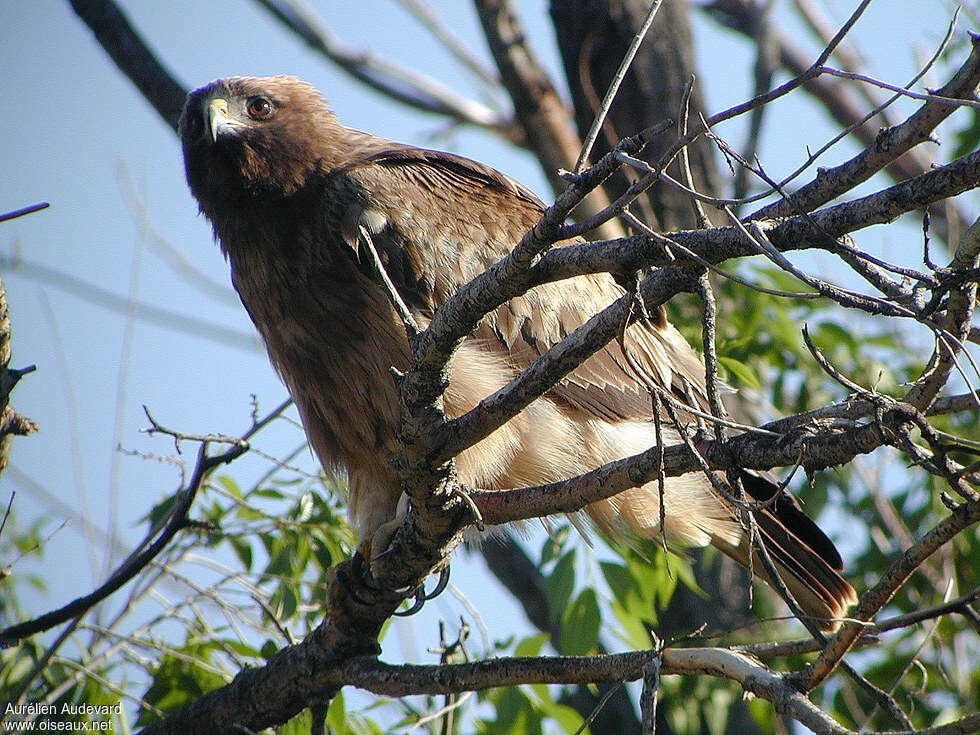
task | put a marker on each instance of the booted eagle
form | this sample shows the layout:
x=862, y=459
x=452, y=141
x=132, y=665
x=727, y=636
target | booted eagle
x=289, y=191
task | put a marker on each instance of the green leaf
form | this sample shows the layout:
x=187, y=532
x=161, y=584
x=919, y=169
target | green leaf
x=269, y=649
x=247, y=513
x=745, y=375
x=567, y=718
x=159, y=510
x=531, y=646
x=267, y=492
x=299, y=725
x=634, y=632
x=323, y=554
x=829, y=334
x=243, y=550
x=716, y=709
x=337, y=716
x=554, y=544
x=281, y=563
x=515, y=714
x=621, y=582
x=968, y=139
x=284, y=601
x=231, y=486
x=560, y=583
x=232, y=644
x=580, y=625
x=178, y=681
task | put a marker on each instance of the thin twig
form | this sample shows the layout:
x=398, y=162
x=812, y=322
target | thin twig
x=23, y=210
x=408, y=320
x=614, y=85
x=155, y=541
x=398, y=82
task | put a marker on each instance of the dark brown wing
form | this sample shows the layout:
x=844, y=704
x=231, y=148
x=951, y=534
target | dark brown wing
x=469, y=216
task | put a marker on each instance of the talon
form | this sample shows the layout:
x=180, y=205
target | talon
x=440, y=585
x=416, y=606
x=360, y=568
x=422, y=597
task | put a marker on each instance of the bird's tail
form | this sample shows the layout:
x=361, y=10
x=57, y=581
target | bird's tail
x=807, y=561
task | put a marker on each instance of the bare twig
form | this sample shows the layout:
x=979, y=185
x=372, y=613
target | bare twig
x=151, y=313
x=408, y=320
x=155, y=541
x=902, y=91
x=23, y=210
x=397, y=82
x=614, y=85
x=877, y=596
x=546, y=127
x=888, y=145
x=429, y=18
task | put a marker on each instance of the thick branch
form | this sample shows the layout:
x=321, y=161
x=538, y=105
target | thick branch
x=816, y=230
x=548, y=130
x=755, y=678
x=823, y=444
x=133, y=57
x=504, y=280
x=713, y=245
x=889, y=144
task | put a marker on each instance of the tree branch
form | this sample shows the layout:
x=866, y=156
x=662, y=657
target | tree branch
x=155, y=541
x=400, y=681
x=547, y=129
x=397, y=82
x=876, y=597
x=889, y=144
x=133, y=57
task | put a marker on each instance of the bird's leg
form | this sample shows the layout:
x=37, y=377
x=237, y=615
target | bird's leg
x=377, y=545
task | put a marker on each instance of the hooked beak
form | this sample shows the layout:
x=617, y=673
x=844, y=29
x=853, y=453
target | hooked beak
x=219, y=122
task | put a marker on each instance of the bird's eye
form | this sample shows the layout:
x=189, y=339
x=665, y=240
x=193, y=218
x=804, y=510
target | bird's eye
x=259, y=108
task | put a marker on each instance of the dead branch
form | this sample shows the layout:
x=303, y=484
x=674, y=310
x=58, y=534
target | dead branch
x=889, y=144
x=393, y=80
x=156, y=540
x=133, y=57
x=545, y=124
x=876, y=597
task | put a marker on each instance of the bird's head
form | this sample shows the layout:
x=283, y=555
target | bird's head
x=253, y=139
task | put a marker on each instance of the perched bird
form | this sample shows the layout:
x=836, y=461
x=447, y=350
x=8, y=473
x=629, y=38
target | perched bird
x=289, y=191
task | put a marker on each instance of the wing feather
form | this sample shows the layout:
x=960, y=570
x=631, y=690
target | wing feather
x=499, y=212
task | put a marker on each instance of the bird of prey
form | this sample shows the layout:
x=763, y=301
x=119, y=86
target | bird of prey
x=290, y=192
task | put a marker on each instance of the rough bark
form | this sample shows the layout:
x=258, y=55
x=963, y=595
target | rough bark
x=593, y=36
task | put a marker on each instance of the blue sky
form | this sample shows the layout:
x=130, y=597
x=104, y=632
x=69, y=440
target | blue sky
x=76, y=133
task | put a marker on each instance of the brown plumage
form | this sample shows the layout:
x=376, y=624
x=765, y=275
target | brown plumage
x=287, y=188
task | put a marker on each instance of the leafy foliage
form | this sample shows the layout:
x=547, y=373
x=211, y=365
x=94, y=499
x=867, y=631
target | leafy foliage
x=249, y=578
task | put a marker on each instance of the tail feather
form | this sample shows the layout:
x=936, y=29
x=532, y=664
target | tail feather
x=806, y=560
